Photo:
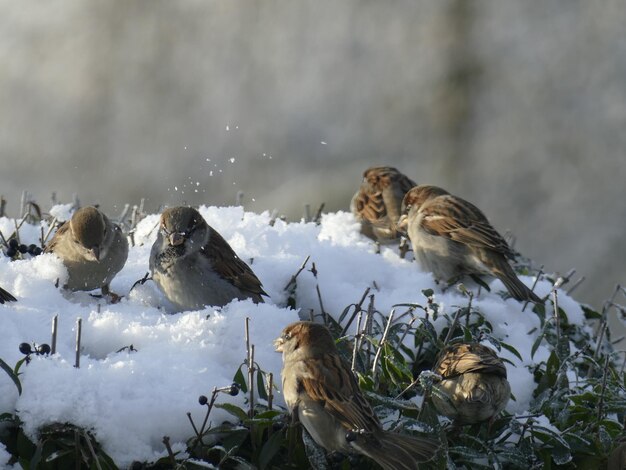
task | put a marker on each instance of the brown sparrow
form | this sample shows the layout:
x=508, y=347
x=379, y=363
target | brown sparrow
x=322, y=392
x=6, y=296
x=376, y=205
x=473, y=382
x=194, y=266
x=92, y=248
x=451, y=237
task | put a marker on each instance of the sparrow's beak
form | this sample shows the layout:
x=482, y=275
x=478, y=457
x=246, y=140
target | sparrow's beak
x=403, y=223
x=96, y=252
x=176, y=239
x=278, y=344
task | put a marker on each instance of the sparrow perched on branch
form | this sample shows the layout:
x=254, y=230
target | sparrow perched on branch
x=92, y=248
x=452, y=237
x=6, y=296
x=473, y=385
x=194, y=266
x=376, y=205
x=322, y=392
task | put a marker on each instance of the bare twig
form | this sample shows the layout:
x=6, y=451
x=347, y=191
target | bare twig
x=79, y=328
x=557, y=318
x=357, y=341
x=307, y=212
x=293, y=278
x=575, y=285
x=357, y=309
x=532, y=288
x=92, y=451
x=318, y=215
x=166, y=443
x=53, y=346
x=270, y=388
x=382, y=343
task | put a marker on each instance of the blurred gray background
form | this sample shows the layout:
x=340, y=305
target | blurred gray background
x=519, y=107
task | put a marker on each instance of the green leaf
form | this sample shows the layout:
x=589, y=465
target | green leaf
x=233, y=410
x=512, y=350
x=428, y=292
x=536, y=344
x=12, y=375
x=270, y=449
x=260, y=386
x=241, y=380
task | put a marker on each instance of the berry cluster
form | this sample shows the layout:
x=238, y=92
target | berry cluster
x=14, y=247
x=40, y=350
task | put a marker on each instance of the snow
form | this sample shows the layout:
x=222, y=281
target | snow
x=130, y=400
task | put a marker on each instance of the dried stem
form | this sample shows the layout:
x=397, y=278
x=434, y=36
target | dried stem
x=382, y=343
x=166, y=443
x=575, y=285
x=307, y=212
x=557, y=318
x=357, y=309
x=92, y=451
x=270, y=388
x=318, y=215
x=532, y=288
x=293, y=278
x=357, y=341
x=79, y=328
x=55, y=324
x=603, y=389
x=369, y=315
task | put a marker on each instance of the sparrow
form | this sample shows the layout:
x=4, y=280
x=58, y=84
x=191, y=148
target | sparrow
x=451, y=237
x=322, y=393
x=92, y=248
x=194, y=266
x=473, y=383
x=6, y=296
x=376, y=205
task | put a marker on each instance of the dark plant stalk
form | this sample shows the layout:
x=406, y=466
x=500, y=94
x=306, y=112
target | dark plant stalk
x=53, y=345
x=79, y=328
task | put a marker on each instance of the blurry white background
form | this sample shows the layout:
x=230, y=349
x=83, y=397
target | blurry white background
x=519, y=107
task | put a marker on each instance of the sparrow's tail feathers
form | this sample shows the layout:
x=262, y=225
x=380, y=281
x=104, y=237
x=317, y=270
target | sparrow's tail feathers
x=401, y=452
x=517, y=289
x=6, y=296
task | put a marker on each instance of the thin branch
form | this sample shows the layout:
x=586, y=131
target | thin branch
x=382, y=343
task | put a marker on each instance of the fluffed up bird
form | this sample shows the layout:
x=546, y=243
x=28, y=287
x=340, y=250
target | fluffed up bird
x=194, y=266
x=322, y=392
x=473, y=383
x=377, y=203
x=92, y=248
x=6, y=296
x=451, y=237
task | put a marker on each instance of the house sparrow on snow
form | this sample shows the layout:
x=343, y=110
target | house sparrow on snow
x=6, y=296
x=376, y=205
x=322, y=392
x=194, y=266
x=451, y=237
x=92, y=248
x=473, y=383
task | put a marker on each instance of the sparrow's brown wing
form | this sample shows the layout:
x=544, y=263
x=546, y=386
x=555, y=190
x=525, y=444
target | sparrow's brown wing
x=228, y=265
x=461, y=221
x=57, y=237
x=379, y=198
x=328, y=380
x=463, y=358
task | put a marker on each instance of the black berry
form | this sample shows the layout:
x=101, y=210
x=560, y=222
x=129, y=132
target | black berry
x=13, y=243
x=31, y=248
x=37, y=251
x=203, y=400
x=234, y=389
x=23, y=248
x=25, y=348
x=11, y=252
x=43, y=349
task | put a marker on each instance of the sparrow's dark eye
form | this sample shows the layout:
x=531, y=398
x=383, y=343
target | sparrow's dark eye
x=287, y=336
